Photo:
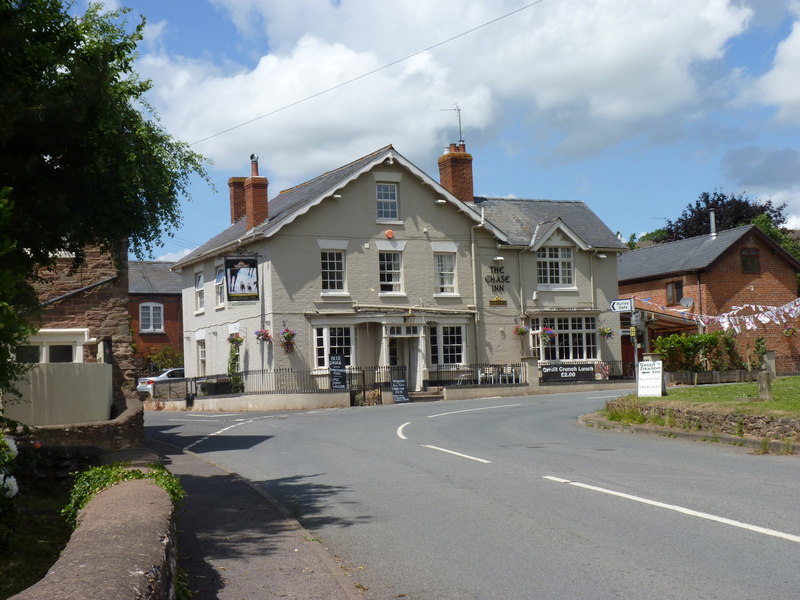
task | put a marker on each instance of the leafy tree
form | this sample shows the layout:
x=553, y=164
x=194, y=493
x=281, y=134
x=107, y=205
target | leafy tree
x=81, y=163
x=730, y=211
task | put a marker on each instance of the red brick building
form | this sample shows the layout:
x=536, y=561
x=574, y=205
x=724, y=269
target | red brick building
x=734, y=279
x=155, y=306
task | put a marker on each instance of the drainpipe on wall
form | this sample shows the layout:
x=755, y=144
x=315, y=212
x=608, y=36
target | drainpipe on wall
x=475, y=273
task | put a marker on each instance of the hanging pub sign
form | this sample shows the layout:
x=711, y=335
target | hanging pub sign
x=241, y=278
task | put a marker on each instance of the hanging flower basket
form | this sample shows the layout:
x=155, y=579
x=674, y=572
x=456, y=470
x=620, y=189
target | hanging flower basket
x=520, y=330
x=548, y=335
x=235, y=339
x=789, y=331
x=286, y=337
x=606, y=332
x=263, y=335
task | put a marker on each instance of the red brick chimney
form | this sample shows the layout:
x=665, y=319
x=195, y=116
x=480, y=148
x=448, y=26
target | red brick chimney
x=256, y=206
x=455, y=172
x=236, y=187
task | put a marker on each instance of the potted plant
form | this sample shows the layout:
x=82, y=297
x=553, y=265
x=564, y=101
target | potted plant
x=263, y=335
x=235, y=339
x=548, y=335
x=287, y=339
x=606, y=332
x=520, y=330
x=789, y=331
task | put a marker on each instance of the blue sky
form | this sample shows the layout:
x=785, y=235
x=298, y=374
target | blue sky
x=632, y=107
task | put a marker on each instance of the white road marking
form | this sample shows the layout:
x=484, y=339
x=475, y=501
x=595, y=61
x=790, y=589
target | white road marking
x=203, y=439
x=603, y=397
x=686, y=511
x=455, y=412
x=400, y=431
x=475, y=458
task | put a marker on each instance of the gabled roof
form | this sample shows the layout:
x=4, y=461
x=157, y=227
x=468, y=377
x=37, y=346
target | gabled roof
x=296, y=201
x=689, y=255
x=153, y=277
x=529, y=222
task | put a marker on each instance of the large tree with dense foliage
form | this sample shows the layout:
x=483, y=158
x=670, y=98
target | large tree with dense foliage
x=729, y=212
x=83, y=161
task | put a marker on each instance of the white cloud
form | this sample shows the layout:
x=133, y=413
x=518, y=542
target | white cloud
x=173, y=256
x=781, y=86
x=596, y=74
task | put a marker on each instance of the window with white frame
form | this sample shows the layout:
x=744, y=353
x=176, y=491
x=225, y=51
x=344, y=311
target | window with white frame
x=390, y=271
x=201, y=358
x=333, y=340
x=445, y=272
x=387, y=201
x=565, y=338
x=332, y=273
x=151, y=317
x=219, y=286
x=199, y=299
x=554, y=266
x=446, y=344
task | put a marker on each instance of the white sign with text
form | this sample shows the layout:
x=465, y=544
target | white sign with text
x=651, y=378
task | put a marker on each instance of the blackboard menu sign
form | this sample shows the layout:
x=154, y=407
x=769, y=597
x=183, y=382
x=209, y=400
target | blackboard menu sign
x=568, y=372
x=399, y=390
x=338, y=372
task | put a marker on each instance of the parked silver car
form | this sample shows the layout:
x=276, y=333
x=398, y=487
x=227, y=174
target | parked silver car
x=146, y=384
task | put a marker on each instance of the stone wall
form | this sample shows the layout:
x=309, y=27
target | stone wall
x=758, y=426
x=95, y=296
x=123, y=547
x=124, y=431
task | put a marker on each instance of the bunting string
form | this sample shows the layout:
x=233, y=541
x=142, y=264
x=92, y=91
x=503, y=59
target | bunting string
x=746, y=316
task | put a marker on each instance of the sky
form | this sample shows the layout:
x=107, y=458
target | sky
x=635, y=108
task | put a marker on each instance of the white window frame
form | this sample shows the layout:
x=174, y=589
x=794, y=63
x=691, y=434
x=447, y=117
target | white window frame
x=150, y=308
x=199, y=292
x=387, y=206
x=76, y=338
x=322, y=344
x=390, y=273
x=576, y=338
x=440, y=349
x=201, y=357
x=555, y=267
x=219, y=286
x=325, y=254
x=445, y=284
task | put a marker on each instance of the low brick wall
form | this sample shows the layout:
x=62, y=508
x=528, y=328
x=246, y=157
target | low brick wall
x=758, y=426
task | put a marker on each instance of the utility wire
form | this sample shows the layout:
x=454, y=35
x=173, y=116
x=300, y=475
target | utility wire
x=368, y=73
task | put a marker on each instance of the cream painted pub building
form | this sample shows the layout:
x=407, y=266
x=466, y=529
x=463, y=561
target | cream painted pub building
x=379, y=263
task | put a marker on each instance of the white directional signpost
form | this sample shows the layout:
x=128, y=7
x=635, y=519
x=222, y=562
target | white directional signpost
x=622, y=305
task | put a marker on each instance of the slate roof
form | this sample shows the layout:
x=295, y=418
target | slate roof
x=506, y=218
x=692, y=254
x=284, y=204
x=518, y=218
x=153, y=277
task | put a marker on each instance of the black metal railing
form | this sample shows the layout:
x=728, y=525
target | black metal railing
x=291, y=381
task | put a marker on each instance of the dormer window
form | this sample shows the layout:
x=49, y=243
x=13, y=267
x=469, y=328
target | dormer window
x=554, y=266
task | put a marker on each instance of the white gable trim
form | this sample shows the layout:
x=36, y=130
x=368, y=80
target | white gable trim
x=545, y=231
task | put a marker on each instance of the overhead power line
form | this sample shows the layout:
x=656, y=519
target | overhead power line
x=368, y=73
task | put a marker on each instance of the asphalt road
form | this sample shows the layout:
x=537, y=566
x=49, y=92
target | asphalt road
x=511, y=498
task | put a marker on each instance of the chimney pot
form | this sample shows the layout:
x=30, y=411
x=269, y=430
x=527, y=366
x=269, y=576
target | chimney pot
x=254, y=165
